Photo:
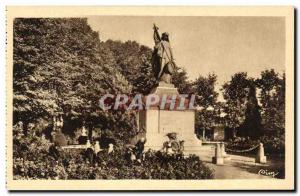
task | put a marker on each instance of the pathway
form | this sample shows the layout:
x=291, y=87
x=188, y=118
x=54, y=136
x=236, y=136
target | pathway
x=239, y=167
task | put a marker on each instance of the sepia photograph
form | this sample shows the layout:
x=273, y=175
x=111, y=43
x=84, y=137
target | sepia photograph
x=135, y=98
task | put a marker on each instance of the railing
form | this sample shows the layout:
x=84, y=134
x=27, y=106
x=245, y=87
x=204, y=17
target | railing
x=242, y=151
x=221, y=155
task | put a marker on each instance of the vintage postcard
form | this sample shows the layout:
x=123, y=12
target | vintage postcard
x=150, y=98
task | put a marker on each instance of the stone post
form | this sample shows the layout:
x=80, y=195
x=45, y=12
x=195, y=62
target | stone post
x=260, y=157
x=218, y=159
x=223, y=152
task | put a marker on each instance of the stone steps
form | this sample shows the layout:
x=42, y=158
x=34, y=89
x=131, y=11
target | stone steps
x=199, y=148
x=205, y=152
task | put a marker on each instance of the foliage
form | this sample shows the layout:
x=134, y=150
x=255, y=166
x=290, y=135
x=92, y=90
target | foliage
x=272, y=98
x=42, y=163
x=204, y=88
x=206, y=102
x=60, y=139
x=243, y=110
x=273, y=145
x=235, y=93
x=252, y=125
x=133, y=62
x=180, y=81
x=61, y=67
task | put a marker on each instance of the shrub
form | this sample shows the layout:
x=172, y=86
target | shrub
x=38, y=163
x=60, y=139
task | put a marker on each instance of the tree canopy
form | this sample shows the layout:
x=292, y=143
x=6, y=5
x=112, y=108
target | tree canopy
x=61, y=67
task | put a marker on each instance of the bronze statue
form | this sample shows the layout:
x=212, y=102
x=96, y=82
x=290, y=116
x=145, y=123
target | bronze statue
x=162, y=58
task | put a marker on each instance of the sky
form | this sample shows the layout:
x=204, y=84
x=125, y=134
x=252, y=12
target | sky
x=203, y=45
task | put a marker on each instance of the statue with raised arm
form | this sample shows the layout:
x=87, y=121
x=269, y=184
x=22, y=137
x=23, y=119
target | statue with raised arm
x=162, y=58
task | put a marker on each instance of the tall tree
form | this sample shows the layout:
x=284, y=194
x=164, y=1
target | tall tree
x=235, y=94
x=272, y=99
x=145, y=80
x=133, y=62
x=206, y=102
x=181, y=82
x=252, y=126
x=60, y=66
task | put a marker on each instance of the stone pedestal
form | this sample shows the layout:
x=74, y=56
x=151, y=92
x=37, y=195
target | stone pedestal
x=159, y=122
x=218, y=159
x=165, y=89
x=260, y=157
x=223, y=153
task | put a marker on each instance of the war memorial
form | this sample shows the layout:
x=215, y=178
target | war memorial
x=86, y=108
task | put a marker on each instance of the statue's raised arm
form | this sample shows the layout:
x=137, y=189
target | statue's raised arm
x=156, y=35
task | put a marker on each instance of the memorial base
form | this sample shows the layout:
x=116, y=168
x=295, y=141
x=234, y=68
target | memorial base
x=157, y=123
